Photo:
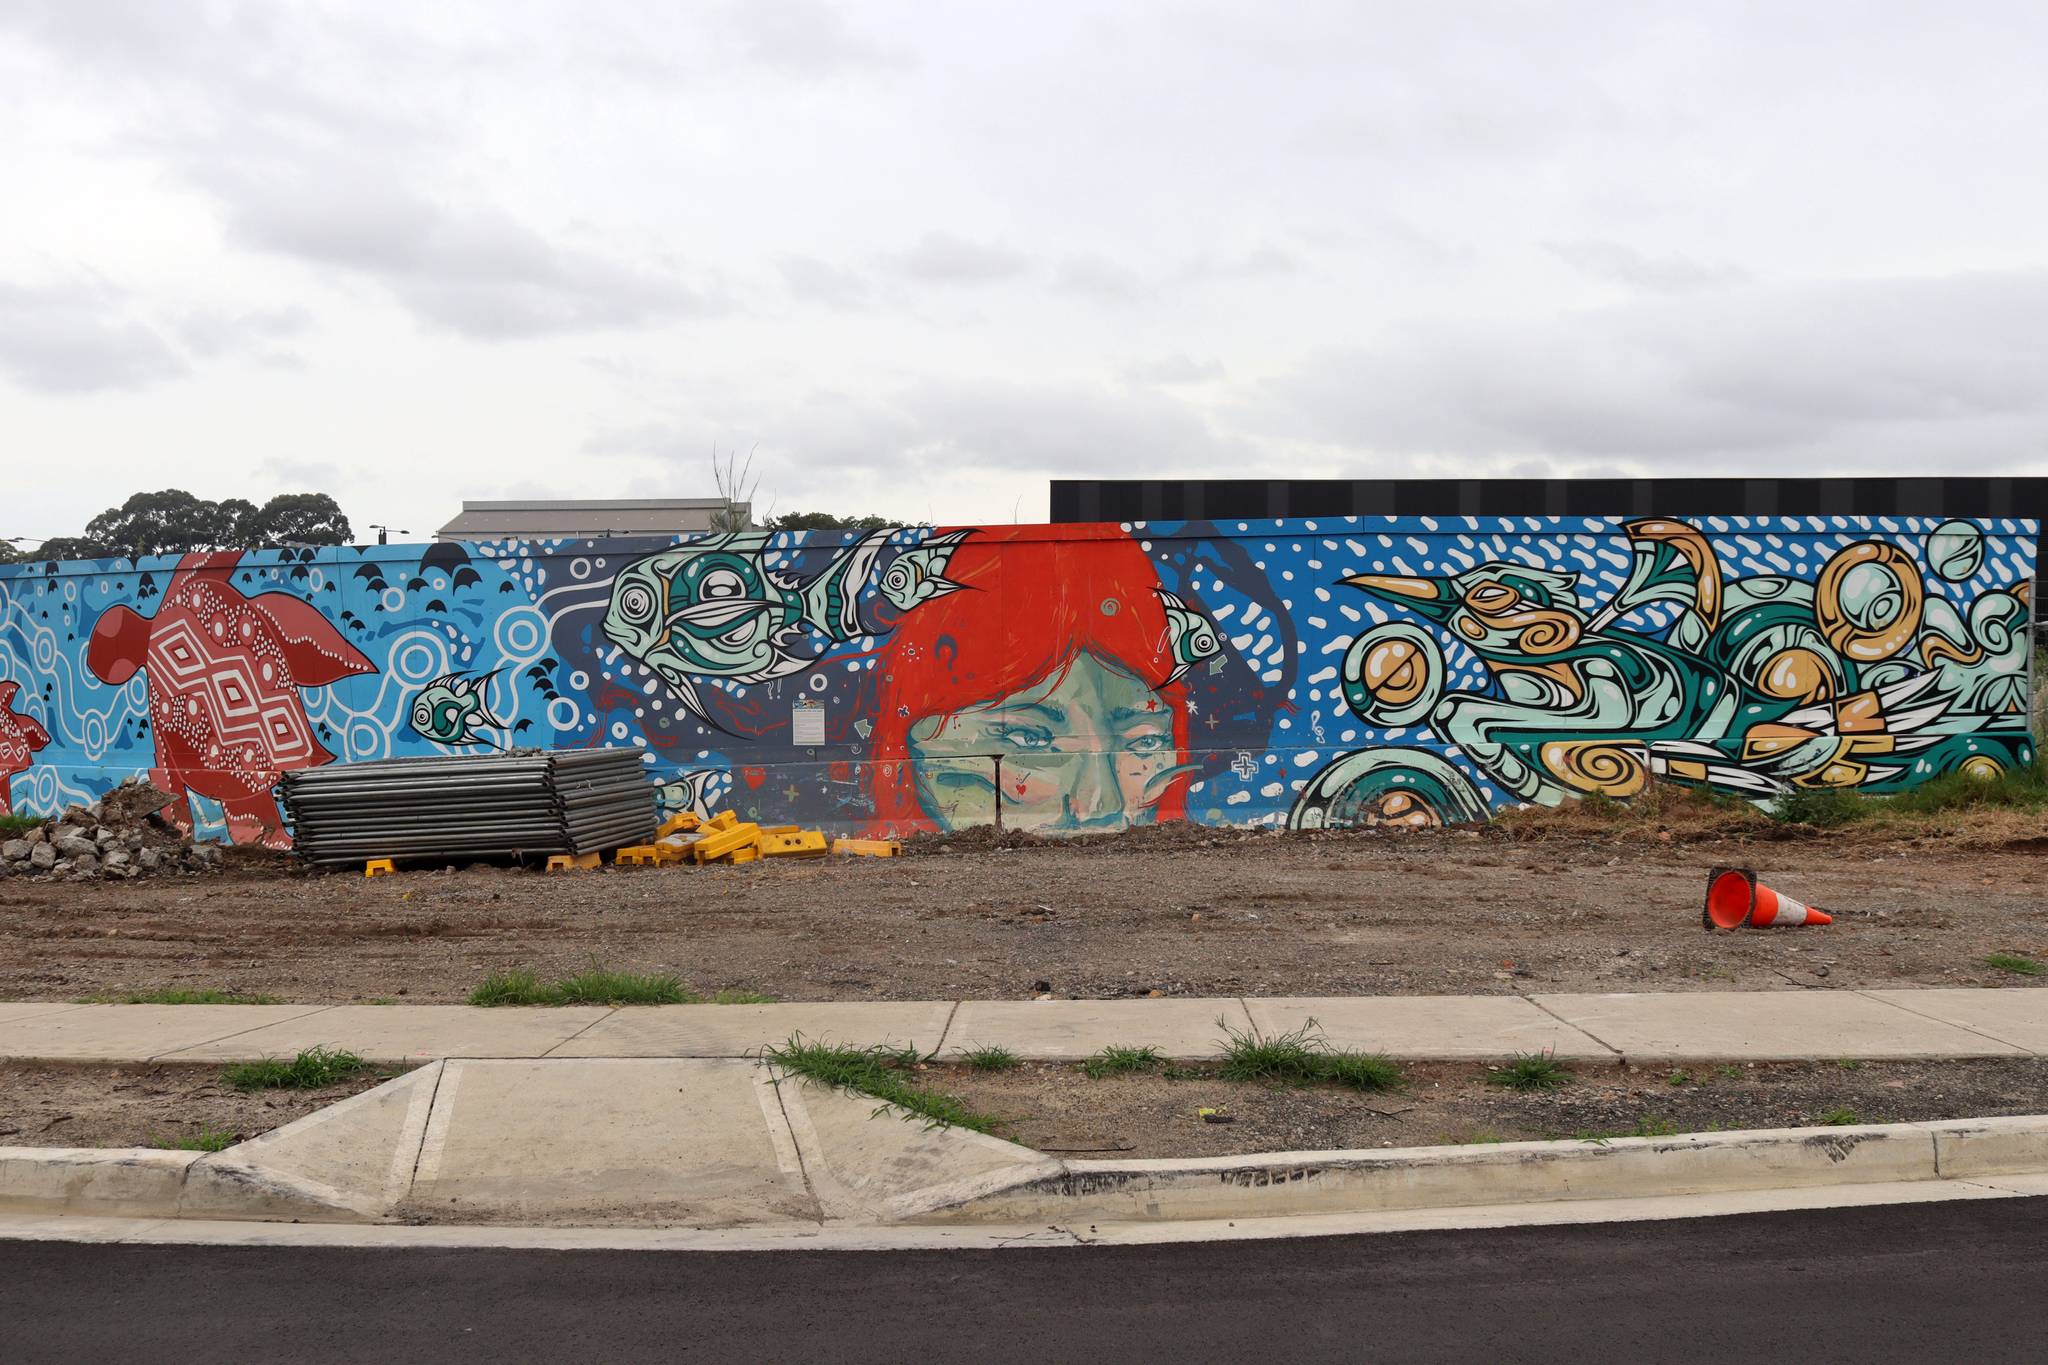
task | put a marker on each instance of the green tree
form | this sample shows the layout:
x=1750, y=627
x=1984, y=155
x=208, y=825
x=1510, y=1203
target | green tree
x=172, y=521
x=296, y=518
x=826, y=521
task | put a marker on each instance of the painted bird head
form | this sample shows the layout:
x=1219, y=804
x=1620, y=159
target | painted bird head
x=1498, y=609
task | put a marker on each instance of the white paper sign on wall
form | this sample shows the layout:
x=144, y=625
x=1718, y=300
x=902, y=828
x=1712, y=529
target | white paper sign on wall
x=807, y=723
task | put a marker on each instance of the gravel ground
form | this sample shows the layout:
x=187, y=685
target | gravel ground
x=46, y=1105
x=1556, y=904
x=1058, y=1109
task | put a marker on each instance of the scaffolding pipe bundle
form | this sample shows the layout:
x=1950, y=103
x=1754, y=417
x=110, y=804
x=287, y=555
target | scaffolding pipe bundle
x=538, y=803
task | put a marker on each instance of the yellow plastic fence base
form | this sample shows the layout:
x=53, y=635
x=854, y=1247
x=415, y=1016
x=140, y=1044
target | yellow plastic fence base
x=639, y=855
x=682, y=822
x=574, y=862
x=868, y=848
x=726, y=842
x=378, y=867
x=725, y=819
x=801, y=843
x=746, y=854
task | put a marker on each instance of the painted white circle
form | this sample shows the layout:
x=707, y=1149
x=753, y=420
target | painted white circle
x=564, y=719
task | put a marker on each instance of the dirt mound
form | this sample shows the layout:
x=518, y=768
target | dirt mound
x=122, y=835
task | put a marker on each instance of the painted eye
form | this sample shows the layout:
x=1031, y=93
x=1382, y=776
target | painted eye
x=1023, y=737
x=422, y=715
x=1146, y=744
x=636, y=604
x=722, y=583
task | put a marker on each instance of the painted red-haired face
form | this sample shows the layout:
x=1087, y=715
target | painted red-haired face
x=1054, y=655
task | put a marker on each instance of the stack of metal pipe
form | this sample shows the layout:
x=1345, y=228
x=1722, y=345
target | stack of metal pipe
x=569, y=801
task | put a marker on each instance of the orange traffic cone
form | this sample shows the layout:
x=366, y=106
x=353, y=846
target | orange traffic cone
x=1735, y=898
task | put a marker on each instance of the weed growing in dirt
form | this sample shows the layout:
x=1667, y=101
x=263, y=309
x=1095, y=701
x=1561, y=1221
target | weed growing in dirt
x=207, y=1141
x=1303, y=1057
x=990, y=1058
x=1849, y=1063
x=1644, y=1128
x=601, y=987
x=1117, y=1061
x=1681, y=1078
x=177, y=997
x=310, y=1070
x=1530, y=1071
x=1840, y=1118
x=1822, y=807
x=2008, y=789
x=18, y=824
x=513, y=988
x=2016, y=964
x=884, y=1073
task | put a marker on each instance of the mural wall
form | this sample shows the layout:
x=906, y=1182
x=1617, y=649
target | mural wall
x=1300, y=672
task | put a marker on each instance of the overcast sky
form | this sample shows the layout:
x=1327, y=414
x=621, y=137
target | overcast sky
x=922, y=258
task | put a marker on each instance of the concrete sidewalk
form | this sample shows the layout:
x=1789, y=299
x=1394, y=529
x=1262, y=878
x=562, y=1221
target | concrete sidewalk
x=1646, y=1029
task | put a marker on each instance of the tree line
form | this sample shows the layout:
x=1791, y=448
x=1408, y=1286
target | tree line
x=172, y=521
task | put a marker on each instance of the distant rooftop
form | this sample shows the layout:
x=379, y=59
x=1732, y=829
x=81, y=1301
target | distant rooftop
x=540, y=519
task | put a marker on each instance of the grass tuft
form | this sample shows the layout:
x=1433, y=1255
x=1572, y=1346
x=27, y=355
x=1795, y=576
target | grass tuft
x=1302, y=1057
x=206, y=1141
x=513, y=988
x=1840, y=1117
x=18, y=824
x=310, y=1070
x=990, y=1057
x=1530, y=1071
x=601, y=987
x=177, y=996
x=882, y=1072
x=2016, y=963
x=1119, y=1061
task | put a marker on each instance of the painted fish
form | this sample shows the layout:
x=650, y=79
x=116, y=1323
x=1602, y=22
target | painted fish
x=451, y=710
x=713, y=609
x=20, y=737
x=224, y=672
x=1190, y=636
x=919, y=575
x=699, y=791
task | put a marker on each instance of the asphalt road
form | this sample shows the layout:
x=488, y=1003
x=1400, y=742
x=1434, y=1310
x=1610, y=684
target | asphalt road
x=1922, y=1283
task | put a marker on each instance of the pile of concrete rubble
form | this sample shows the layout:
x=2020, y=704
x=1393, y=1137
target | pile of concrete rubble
x=124, y=834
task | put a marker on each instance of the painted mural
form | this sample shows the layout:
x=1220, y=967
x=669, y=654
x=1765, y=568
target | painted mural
x=1309, y=673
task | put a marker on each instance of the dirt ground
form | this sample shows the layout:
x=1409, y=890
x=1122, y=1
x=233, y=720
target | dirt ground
x=55, y=1105
x=1055, y=1108
x=1555, y=903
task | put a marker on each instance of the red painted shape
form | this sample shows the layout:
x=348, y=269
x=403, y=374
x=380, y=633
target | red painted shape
x=224, y=672
x=20, y=737
x=840, y=772
x=753, y=777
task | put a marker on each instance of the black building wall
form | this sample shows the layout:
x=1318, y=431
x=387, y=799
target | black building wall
x=1245, y=499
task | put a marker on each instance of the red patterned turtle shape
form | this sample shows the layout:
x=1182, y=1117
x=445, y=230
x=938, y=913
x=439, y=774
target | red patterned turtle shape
x=224, y=675
x=20, y=737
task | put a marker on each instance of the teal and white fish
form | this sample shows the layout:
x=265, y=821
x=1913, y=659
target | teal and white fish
x=1190, y=636
x=713, y=609
x=452, y=710
x=700, y=791
x=919, y=575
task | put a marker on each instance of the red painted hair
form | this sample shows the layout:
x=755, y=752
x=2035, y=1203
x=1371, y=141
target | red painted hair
x=1029, y=606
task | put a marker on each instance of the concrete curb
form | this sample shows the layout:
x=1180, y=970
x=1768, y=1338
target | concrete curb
x=144, y=1182
x=1285, y=1184
x=135, y=1182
